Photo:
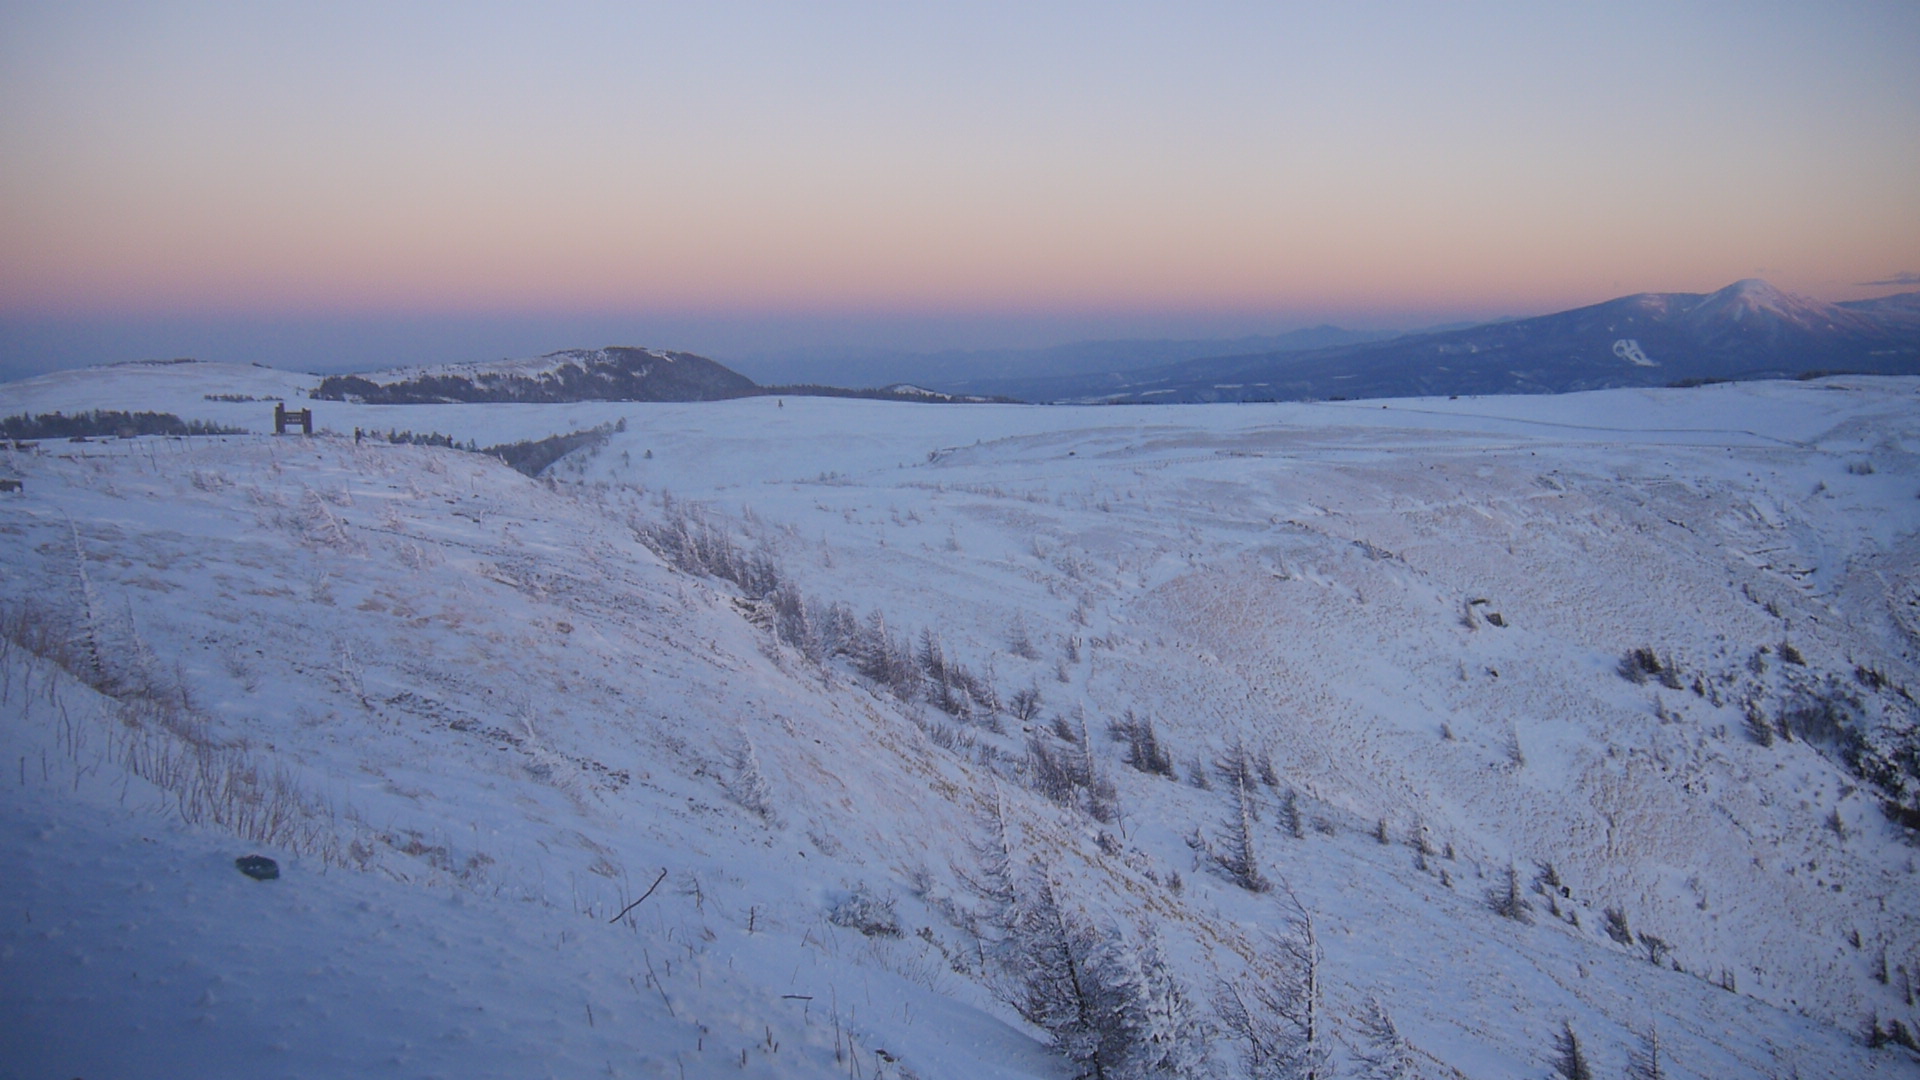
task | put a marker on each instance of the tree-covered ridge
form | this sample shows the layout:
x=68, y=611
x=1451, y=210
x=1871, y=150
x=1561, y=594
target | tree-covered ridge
x=614, y=374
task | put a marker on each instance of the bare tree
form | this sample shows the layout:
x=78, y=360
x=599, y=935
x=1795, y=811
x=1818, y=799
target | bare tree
x=1026, y=704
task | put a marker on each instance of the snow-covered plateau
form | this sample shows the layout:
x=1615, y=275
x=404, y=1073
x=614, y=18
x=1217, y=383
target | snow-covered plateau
x=819, y=737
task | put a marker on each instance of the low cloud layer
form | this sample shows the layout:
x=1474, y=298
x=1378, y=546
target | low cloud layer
x=1905, y=277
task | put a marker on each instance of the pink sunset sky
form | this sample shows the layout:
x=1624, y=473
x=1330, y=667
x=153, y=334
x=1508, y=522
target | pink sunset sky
x=751, y=175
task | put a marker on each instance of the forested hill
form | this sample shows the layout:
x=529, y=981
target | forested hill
x=610, y=374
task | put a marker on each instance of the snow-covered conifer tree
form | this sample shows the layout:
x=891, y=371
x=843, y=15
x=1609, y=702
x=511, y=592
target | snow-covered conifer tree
x=1646, y=1062
x=748, y=785
x=1235, y=853
x=1570, y=1061
x=1079, y=985
x=1290, y=814
x=1383, y=1053
x=1277, y=1017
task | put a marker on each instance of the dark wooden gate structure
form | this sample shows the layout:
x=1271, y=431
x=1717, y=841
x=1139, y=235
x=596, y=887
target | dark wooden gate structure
x=284, y=418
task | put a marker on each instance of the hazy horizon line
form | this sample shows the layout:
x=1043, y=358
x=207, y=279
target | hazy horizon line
x=329, y=342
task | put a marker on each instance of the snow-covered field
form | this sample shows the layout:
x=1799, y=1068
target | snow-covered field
x=475, y=716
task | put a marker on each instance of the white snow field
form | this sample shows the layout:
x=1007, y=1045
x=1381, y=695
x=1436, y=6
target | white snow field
x=476, y=716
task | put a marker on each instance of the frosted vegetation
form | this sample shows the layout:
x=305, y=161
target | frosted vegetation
x=1501, y=737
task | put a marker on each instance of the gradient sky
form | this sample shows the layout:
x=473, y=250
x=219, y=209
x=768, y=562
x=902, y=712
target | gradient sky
x=430, y=180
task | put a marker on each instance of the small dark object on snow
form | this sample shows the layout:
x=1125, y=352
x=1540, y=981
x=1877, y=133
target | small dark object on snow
x=258, y=867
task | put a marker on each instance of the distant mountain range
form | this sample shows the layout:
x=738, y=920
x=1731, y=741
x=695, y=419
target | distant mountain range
x=1748, y=330
x=615, y=373
x=993, y=371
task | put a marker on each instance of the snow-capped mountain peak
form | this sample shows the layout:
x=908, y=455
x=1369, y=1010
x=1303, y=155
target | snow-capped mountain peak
x=1757, y=301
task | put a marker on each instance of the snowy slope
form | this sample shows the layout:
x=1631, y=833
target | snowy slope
x=1748, y=330
x=496, y=716
x=531, y=367
x=185, y=388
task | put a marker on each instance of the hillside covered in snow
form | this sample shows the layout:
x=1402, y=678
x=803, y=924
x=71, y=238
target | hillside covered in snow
x=1748, y=330
x=611, y=374
x=825, y=737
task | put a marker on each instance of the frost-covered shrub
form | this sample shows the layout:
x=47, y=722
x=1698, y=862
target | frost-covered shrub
x=1026, y=704
x=1019, y=642
x=1638, y=664
x=748, y=785
x=1507, y=901
x=1829, y=716
x=696, y=546
x=1894, y=1033
x=862, y=910
x=1617, y=926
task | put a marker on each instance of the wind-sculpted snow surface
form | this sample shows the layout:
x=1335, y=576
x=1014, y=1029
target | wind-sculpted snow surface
x=807, y=739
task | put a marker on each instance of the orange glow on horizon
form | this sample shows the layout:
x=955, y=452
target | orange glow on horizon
x=1463, y=162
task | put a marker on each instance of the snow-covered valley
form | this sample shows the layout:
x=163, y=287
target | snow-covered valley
x=766, y=736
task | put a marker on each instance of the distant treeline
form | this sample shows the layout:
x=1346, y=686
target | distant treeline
x=529, y=456
x=414, y=438
x=107, y=422
x=874, y=394
x=532, y=456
